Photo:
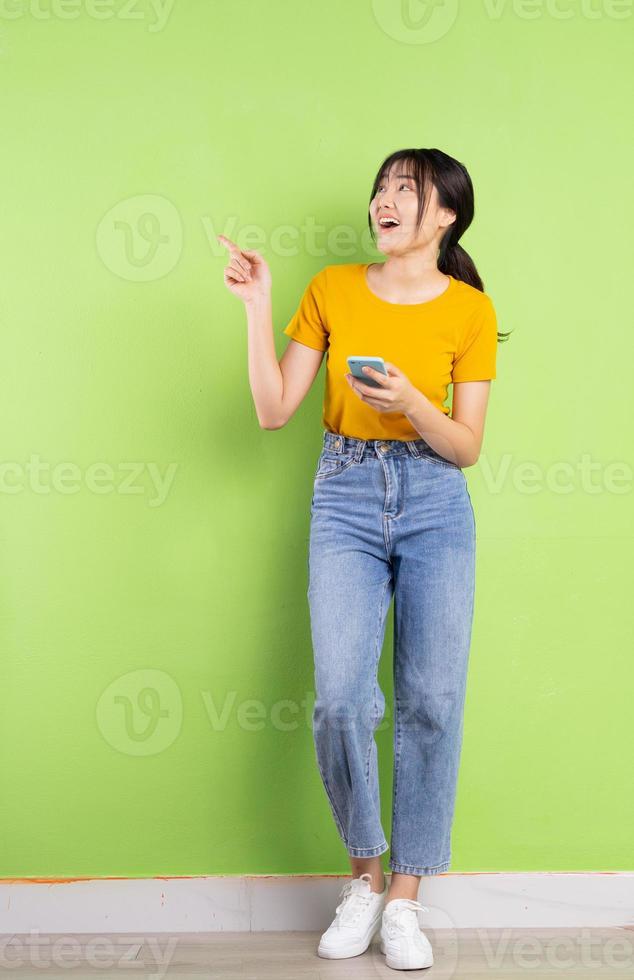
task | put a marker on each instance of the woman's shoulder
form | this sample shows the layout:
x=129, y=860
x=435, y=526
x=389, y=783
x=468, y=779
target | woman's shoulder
x=473, y=305
x=473, y=298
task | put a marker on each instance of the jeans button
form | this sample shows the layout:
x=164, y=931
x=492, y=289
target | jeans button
x=383, y=447
x=337, y=443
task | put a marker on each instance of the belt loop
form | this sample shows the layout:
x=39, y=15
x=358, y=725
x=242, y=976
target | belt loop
x=413, y=448
x=358, y=452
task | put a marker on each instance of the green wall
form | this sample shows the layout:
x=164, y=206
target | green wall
x=156, y=669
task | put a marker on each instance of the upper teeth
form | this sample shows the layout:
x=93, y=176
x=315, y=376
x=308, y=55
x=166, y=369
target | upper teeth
x=383, y=221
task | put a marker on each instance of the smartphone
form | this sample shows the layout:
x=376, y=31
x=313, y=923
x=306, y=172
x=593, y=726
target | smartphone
x=356, y=363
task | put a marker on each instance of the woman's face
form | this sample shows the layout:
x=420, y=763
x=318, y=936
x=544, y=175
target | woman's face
x=397, y=198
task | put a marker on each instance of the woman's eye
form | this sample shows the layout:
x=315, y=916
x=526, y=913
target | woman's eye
x=406, y=186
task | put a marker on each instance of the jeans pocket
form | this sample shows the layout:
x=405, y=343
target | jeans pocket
x=331, y=463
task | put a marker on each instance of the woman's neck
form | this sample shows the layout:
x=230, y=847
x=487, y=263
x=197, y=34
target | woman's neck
x=406, y=281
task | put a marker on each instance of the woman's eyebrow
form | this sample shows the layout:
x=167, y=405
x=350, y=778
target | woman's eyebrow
x=406, y=176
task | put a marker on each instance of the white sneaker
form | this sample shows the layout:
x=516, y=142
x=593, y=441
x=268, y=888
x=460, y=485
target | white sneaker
x=357, y=920
x=405, y=945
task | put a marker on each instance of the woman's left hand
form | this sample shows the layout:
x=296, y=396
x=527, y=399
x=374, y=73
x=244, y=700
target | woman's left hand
x=396, y=394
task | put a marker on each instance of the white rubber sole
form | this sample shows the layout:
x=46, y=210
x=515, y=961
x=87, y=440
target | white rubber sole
x=351, y=949
x=415, y=960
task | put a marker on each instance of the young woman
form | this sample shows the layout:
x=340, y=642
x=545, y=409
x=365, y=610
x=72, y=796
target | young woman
x=390, y=516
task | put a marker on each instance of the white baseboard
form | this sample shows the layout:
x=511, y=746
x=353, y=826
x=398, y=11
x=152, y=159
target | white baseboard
x=306, y=902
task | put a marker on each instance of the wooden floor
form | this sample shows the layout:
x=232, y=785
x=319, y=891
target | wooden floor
x=459, y=955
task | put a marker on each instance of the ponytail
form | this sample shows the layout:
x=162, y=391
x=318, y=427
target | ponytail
x=454, y=261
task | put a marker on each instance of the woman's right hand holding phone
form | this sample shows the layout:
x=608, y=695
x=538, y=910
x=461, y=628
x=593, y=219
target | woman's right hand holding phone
x=247, y=275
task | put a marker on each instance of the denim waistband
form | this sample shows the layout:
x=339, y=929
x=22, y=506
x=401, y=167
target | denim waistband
x=351, y=446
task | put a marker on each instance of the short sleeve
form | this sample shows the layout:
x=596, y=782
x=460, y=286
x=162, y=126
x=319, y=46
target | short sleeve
x=309, y=324
x=475, y=359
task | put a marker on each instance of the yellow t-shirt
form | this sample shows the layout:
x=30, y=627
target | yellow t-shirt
x=452, y=337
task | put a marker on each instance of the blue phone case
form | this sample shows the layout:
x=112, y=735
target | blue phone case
x=356, y=363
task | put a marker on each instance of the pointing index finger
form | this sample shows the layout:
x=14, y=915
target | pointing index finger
x=228, y=243
x=237, y=256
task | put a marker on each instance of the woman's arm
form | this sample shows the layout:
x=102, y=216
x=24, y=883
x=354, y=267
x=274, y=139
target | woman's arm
x=277, y=388
x=459, y=437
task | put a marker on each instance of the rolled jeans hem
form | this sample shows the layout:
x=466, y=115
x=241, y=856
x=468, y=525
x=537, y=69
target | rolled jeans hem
x=410, y=869
x=368, y=852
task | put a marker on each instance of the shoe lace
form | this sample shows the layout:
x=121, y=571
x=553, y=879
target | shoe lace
x=352, y=905
x=405, y=914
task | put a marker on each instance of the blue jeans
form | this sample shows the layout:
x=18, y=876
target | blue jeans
x=391, y=518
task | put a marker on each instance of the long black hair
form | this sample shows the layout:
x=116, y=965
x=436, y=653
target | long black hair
x=455, y=190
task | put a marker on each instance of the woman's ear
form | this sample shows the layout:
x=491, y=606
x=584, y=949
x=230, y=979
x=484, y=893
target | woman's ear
x=448, y=217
